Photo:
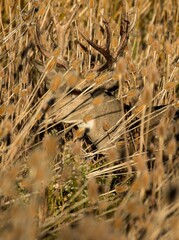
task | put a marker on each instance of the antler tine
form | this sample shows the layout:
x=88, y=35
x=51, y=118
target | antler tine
x=62, y=30
x=95, y=46
x=108, y=32
x=37, y=40
x=124, y=32
x=46, y=53
x=132, y=23
x=124, y=29
x=104, y=52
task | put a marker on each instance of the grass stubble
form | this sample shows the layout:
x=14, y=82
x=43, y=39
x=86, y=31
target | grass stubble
x=53, y=185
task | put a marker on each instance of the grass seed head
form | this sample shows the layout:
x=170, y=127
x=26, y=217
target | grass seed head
x=39, y=170
x=121, y=66
x=72, y=78
x=50, y=144
x=77, y=148
x=90, y=76
x=161, y=129
x=121, y=188
x=79, y=133
x=87, y=118
x=147, y=95
x=168, y=47
x=98, y=100
x=93, y=191
x=51, y=64
x=171, y=147
x=102, y=78
x=56, y=82
x=153, y=74
x=170, y=85
x=106, y=126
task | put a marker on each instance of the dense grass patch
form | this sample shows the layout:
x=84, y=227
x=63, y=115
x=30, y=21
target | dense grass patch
x=56, y=181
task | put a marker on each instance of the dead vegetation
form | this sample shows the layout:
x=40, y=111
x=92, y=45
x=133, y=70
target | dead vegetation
x=89, y=119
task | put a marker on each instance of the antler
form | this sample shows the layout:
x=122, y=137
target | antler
x=60, y=61
x=61, y=30
x=105, y=51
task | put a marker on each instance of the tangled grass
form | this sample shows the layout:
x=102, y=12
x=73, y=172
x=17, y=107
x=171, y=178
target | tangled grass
x=53, y=184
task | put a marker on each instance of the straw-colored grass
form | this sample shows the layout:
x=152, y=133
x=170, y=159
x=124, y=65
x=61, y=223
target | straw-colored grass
x=54, y=182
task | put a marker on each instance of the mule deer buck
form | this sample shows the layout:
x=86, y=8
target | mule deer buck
x=104, y=115
x=106, y=120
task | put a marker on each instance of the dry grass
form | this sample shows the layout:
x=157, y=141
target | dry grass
x=53, y=183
